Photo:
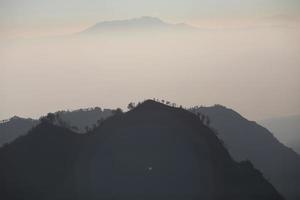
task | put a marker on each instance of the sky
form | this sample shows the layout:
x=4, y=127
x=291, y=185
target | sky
x=246, y=57
x=44, y=17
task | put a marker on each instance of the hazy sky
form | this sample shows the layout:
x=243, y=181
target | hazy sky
x=19, y=17
x=246, y=57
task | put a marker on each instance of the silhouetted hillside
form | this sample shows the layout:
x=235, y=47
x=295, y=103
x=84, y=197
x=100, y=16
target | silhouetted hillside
x=79, y=120
x=14, y=127
x=286, y=129
x=247, y=140
x=151, y=152
x=83, y=118
x=35, y=164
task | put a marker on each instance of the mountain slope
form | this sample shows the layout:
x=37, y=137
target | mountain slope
x=246, y=140
x=136, y=24
x=78, y=119
x=34, y=164
x=15, y=127
x=83, y=118
x=151, y=152
x=286, y=129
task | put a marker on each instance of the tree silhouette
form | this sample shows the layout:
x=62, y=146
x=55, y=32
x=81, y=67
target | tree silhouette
x=131, y=105
x=49, y=118
x=117, y=111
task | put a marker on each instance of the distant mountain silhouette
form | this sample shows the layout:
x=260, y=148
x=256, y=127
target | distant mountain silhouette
x=247, y=140
x=15, y=127
x=79, y=120
x=151, y=152
x=83, y=118
x=286, y=129
x=136, y=24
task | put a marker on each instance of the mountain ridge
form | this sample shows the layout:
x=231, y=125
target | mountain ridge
x=234, y=129
x=144, y=23
x=247, y=140
x=151, y=152
x=289, y=125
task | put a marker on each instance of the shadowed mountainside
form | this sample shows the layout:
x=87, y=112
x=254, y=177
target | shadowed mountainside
x=15, y=127
x=80, y=120
x=286, y=129
x=247, y=140
x=83, y=118
x=151, y=152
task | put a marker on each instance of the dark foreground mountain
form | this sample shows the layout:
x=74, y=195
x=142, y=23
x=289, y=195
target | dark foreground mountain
x=152, y=152
x=247, y=140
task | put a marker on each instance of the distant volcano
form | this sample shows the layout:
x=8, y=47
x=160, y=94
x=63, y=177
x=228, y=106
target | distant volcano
x=137, y=24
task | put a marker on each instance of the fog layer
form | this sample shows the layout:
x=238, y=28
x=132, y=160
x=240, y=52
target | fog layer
x=253, y=70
